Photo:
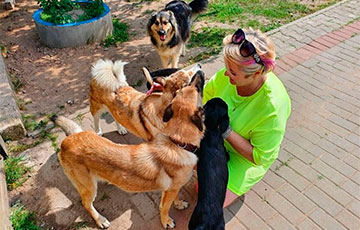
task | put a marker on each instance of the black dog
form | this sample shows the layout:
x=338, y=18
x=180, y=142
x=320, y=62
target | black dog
x=169, y=29
x=212, y=169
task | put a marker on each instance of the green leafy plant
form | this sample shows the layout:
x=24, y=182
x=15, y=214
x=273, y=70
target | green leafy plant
x=120, y=33
x=209, y=39
x=63, y=11
x=23, y=219
x=15, y=169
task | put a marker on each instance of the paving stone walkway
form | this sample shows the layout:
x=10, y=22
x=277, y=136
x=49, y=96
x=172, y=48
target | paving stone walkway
x=315, y=182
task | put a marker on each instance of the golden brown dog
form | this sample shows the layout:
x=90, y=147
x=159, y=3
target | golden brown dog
x=137, y=112
x=165, y=163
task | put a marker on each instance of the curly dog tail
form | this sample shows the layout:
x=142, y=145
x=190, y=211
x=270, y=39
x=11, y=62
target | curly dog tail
x=108, y=74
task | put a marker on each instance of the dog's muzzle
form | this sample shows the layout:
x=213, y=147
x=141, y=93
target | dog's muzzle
x=162, y=35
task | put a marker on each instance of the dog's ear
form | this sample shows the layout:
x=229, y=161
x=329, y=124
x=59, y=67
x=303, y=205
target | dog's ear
x=150, y=22
x=198, y=80
x=147, y=74
x=168, y=114
x=224, y=119
x=224, y=123
x=172, y=21
x=197, y=119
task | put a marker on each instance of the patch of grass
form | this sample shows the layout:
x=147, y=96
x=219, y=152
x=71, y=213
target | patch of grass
x=3, y=50
x=259, y=14
x=200, y=57
x=31, y=124
x=52, y=138
x=138, y=83
x=23, y=219
x=105, y=197
x=21, y=104
x=285, y=163
x=16, y=147
x=80, y=117
x=16, y=82
x=208, y=38
x=320, y=177
x=80, y=225
x=15, y=169
x=146, y=12
x=120, y=34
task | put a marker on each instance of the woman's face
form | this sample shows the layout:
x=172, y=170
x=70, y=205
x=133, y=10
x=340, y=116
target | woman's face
x=236, y=74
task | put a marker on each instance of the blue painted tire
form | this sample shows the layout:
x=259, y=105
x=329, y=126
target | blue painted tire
x=74, y=34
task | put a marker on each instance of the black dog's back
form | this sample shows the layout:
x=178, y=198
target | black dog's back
x=212, y=169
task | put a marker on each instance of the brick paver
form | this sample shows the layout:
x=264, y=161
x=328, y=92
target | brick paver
x=315, y=182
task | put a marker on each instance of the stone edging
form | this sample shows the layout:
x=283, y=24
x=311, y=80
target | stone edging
x=11, y=126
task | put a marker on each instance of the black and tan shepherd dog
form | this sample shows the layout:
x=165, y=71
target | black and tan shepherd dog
x=169, y=29
x=212, y=169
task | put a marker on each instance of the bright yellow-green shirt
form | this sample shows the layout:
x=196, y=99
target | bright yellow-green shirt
x=260, y=118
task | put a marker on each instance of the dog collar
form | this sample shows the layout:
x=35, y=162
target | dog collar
x=189, y=147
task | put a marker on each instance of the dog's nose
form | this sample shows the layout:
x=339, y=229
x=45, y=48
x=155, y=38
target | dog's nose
x=161, y=32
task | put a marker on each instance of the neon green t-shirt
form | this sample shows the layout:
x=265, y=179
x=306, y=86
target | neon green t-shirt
x=260, y=118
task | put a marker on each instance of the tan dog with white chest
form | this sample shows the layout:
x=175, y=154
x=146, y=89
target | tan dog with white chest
x=165, y=163
x=137, y=112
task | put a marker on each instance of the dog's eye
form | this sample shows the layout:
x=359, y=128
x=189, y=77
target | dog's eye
x=157, y=23
x=164, y=23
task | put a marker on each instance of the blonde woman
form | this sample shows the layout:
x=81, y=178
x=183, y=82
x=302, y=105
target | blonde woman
x=259, y=107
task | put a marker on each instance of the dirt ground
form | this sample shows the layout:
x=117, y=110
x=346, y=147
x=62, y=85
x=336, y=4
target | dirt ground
x=54, y=77
x=51, y=79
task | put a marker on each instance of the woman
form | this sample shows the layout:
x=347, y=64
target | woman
x=259, y=107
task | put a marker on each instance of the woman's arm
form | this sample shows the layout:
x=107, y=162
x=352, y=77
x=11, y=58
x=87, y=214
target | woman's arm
x=241, y=145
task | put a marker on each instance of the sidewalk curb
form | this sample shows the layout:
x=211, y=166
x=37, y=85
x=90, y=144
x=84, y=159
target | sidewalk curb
x=269, y=33
x=11, y=126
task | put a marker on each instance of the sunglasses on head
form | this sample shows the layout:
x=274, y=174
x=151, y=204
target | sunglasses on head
x=247, y=49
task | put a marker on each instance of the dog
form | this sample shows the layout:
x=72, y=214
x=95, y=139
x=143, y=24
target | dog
x=133, y=111
x=169, y=29
x=165, y=163
x=212, y=169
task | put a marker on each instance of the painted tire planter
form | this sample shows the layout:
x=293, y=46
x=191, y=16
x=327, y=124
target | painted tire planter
x=74, y=34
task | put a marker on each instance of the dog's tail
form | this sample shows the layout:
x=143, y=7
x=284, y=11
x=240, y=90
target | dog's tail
x=67, y=125
x=108, y=74
x=198, y=6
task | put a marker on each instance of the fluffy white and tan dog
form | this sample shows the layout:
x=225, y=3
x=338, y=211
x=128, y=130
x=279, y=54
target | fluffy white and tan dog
x=135, y=111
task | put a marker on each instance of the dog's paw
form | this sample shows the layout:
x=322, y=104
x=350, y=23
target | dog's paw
x=180, y=204
x=100, y=133
x=102, y=222
x=121, y=130
x=169, y=223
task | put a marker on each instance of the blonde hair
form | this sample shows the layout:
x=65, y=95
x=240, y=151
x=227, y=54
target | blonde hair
x=263, y=45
